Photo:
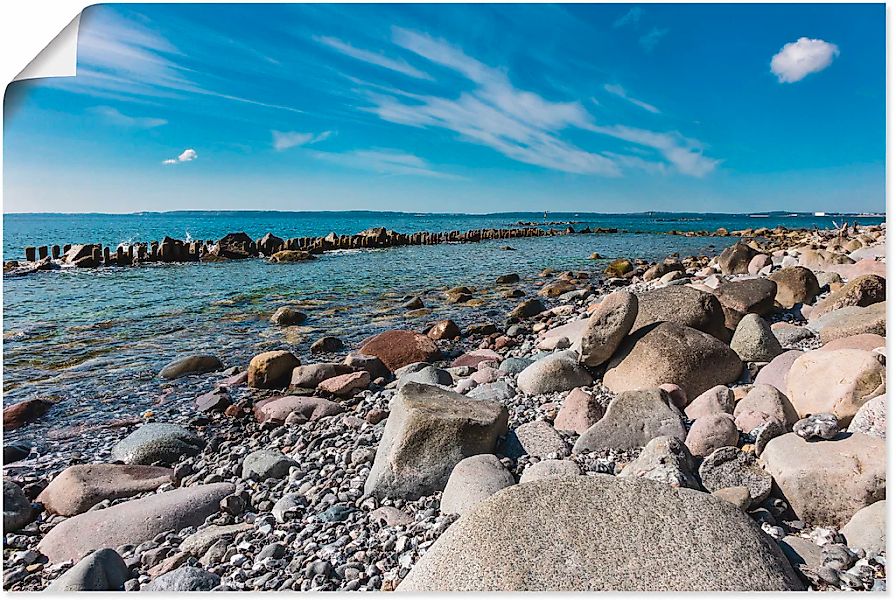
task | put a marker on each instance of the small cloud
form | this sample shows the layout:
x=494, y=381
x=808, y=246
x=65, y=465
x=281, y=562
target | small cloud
x=116, y=117
x=185, y=156
x=797, y=59
x=385, y=162
x=283, y=140
x=618, y=90
x=633, y=16
x=650, y=39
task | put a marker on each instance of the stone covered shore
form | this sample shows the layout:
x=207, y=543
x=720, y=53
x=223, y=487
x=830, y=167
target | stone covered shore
x=703, y=423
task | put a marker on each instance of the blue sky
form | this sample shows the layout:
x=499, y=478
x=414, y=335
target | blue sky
x=458, y=108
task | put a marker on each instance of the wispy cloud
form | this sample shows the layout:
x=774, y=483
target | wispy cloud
x=115, y=117
x=384, y=162
x=800, y=58
x=650, y=39
x=618, y=90
x=633, y=16
x=685, y=154
x=373, y=58
x=283, y=140
x=186, y=156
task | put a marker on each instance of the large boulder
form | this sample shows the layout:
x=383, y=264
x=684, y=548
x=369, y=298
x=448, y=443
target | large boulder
x=429, y=431
x=558, y=372
x=827, y=482
x=764, y=404
x=754, y=341
x=197, y=363
x=540, y=536
x=864, y=290
x=835, y=381
x=157, y=442
x=133, y=522
x=100, y=571
x=736, y=259
x=272, y=370
x=746, y=296
x=473, y=480
x=796, y=285
x=79, y=487
x=672, y=353
x=683, y=305
x=633, y=418
x=607, y=326
x=397, y=348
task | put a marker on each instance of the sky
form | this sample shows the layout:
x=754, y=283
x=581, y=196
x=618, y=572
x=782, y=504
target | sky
x=458, y=108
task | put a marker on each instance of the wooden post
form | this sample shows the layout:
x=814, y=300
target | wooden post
x=55, y=251
x=30, y=253
x=42, y=252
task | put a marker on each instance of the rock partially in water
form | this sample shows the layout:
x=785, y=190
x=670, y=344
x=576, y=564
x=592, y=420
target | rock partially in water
x=188, y=365
x=22, y=413
x=327, y=345
x=444, y=330
x=397, y=348
x=162, y=443
x=272, y=370
x=286, y=315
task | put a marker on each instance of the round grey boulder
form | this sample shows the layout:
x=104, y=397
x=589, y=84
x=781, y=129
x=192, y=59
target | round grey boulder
x=184, y=579
x=157, y=442
x=100, y=571
x=267, y=464
x=595, y=534
x=558, y=372
x=473, y=480
x=754, y=340
x=607, y=327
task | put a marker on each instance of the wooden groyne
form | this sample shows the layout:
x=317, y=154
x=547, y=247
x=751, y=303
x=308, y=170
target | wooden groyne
x=238, y=246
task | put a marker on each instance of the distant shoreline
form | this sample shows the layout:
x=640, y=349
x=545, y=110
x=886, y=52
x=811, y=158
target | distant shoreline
x=750, y=214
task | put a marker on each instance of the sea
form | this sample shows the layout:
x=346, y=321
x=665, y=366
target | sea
x=92, y=341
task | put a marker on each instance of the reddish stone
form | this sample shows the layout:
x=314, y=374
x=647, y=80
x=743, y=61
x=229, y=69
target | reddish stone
x=345, y=385
x=474, y=358
x=398, y=348
x=444, y=330
x=24, y=412
x=580, y=411
x=278, y=408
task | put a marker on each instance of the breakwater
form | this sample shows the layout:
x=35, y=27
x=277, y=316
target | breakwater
x=237, y=246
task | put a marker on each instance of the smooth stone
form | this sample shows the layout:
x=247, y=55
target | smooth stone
x=79, y=487
x=754, y=340
x=666, y=460
x=157, y=442
x=133, y=522
x=514, y=365
x=736, y=259
x=730, y=467
x=365, y=362
x=188, y=365
x=429, y=431
x=473, y=480
x=15, y=452
x=790, y=335
x=571, y=332
x=278, y=408
x=711, y=432
x=867, y=529
x=863, y=341
x=632, y=419
x=677, y=396
x=327, y=345
x=272, y=370
x=805, y=472
x=310, y=376
x=21, y=413
x=550, y=469
x=764, y=400
x=671, y=353
x=286, y=316
x=17, y=511
x=871, y=418
x=746, y=296
x=397, y=348
x=493, y=392
x=345, y=385
x=839, y=323
x=428, y=375
x=522, y=538
x=476, y=358
x=198, y=543
x=183, y=579
x=775, y=372
x=580, y=410
x=558, y=372
x=444, y=330
x=528, y=309
x=607, y=326
x=835, y=381
x=100, y=571
x=286, y=506
x=267, y=464
x=864, y=290
x=715, y=400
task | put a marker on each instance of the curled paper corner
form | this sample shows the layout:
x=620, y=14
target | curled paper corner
x=59, y=58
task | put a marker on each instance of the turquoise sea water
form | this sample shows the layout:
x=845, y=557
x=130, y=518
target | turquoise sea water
x=92, y=340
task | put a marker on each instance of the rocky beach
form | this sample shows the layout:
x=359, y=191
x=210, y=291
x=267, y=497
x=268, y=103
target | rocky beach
x=701, y=422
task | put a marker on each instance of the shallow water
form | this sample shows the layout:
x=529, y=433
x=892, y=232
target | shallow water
x=94, y=340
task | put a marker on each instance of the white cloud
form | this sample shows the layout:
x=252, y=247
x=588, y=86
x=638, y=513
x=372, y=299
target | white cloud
x=650, y=39
x=186, y=156
x=618, y=90
x=373, y=58
x=284, y=140
x=115, y=117
x=685, y=154
x=633, y=16
x=797, y=59
x=385, y=162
